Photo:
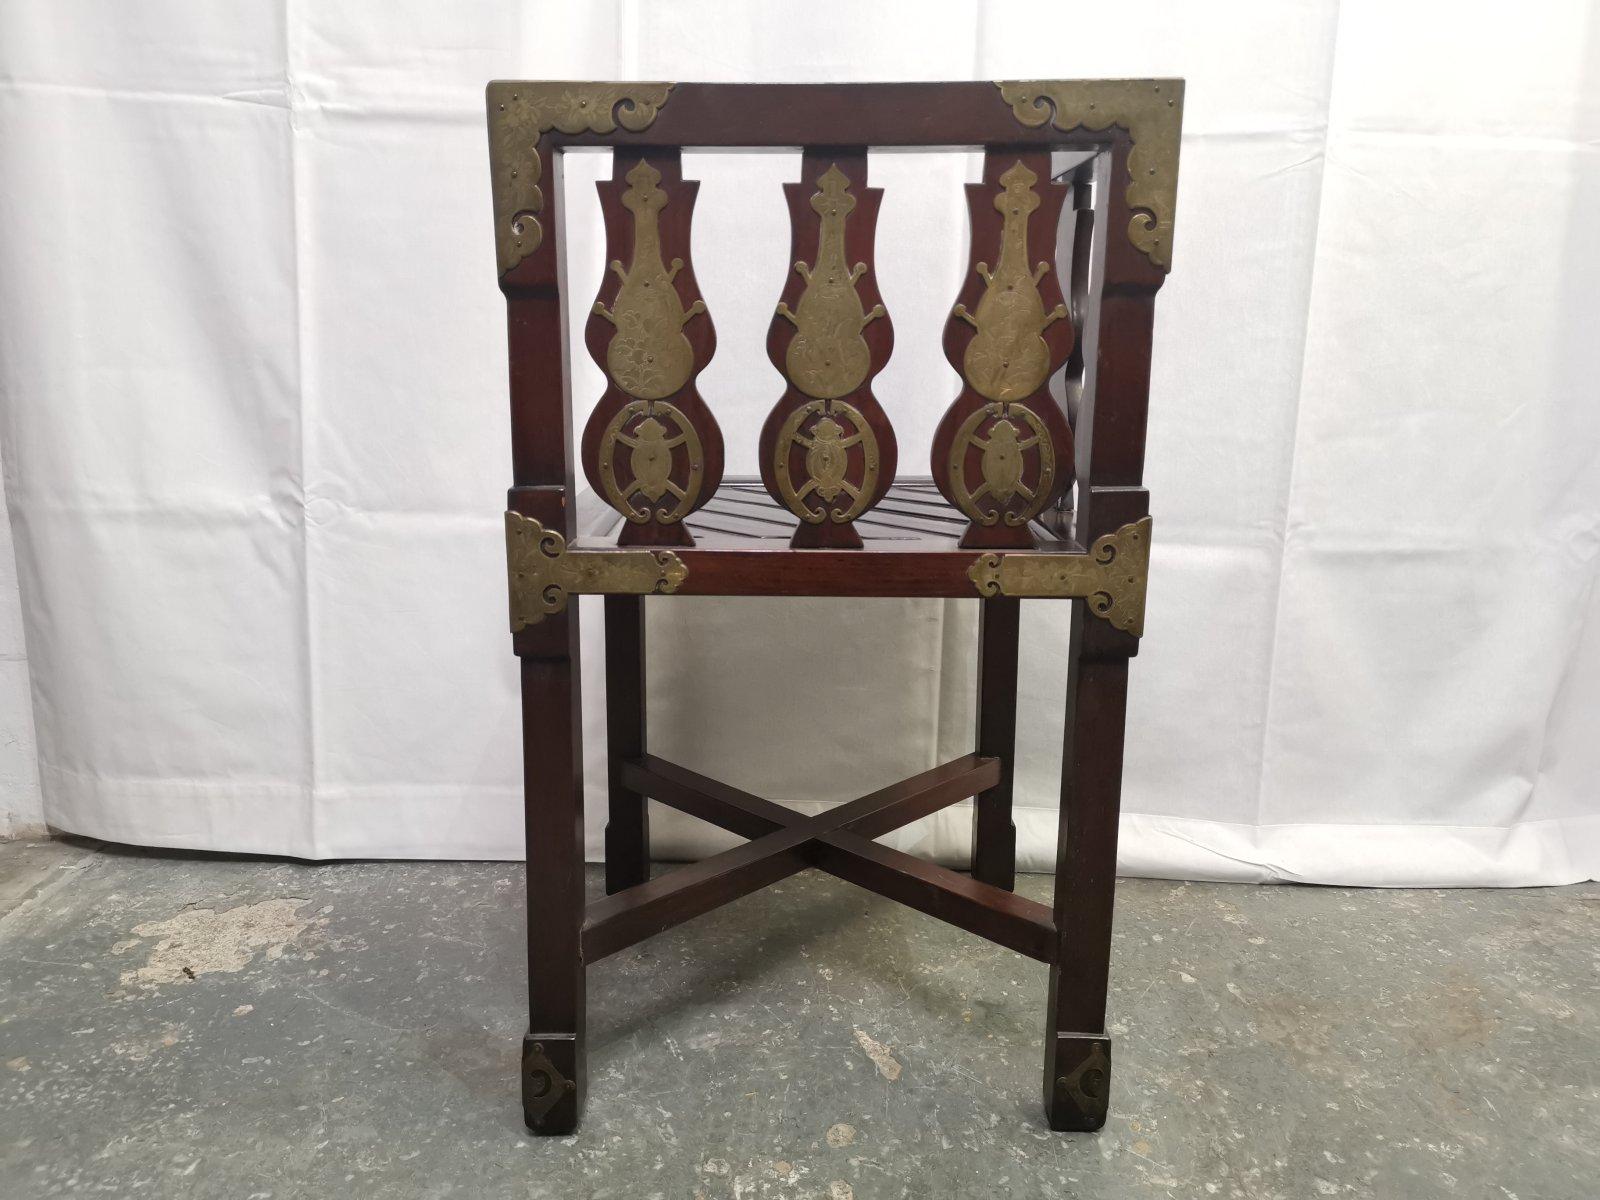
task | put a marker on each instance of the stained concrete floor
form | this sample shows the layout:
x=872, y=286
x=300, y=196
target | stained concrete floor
x=178, y=1026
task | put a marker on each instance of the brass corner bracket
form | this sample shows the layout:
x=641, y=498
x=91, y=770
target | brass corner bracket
x=1111, y=577
x=543, y=1084
x=542, y=572
x=518, y=114
x=1151, y=110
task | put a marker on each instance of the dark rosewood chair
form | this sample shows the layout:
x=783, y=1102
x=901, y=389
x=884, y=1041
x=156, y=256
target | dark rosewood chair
x=1030, y=495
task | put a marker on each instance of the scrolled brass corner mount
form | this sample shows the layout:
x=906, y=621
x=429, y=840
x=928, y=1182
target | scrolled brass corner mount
x=1151, y=110
x=1111, y=577
x=519, y=113
x=542, y=572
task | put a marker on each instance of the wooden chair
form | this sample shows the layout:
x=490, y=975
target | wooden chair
x=1030, y=495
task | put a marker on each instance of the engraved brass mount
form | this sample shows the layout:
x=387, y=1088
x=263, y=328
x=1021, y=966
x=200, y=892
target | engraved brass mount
x=1008, y=358
x=542, y=572
x=543, y=1084
x=828, y=357
x=518, y=114
x=648, y=356
x=827, y=447
x=1003, y=449
x=1111, y=577
x=641, y=427
x=1088, y=1084
x=1151, y=110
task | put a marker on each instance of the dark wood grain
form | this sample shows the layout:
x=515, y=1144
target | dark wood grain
x=994, y=836
x=553, y=807
x=1111, y=494
x=628, y=817
x=968, y=903
x=667, y=900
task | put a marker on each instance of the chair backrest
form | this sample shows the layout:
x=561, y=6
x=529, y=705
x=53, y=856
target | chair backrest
x=1008, y=449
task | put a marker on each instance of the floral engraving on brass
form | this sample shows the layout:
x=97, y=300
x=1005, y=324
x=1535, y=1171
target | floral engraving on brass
x=827, y=446
x=543, y=1084
x=541, y=572
x=1002, y=461
x=1111, y=577
x=1151, y=110
x=828, y=357
x=648, y=356
x=518, y=114
x=1009, y=358
x=641, y=427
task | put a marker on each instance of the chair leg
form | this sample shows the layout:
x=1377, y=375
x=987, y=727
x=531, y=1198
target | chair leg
x=994, y=836
x=628, y=818
x=1077, y=1054
x=552, y=730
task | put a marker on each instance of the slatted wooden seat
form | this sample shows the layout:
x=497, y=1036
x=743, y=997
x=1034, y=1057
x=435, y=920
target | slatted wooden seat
x=1033, y=489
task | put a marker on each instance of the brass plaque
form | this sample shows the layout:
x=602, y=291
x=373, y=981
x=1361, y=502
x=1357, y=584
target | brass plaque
x=542, y=572
x=828, y=357
x=1111, y=577
x=648, y=356
x=1003, y=451
x=1009, y=358
x=543, y=1084
x=1151, y=110
x=651, y=443
x=518, y=114
x=827, y=446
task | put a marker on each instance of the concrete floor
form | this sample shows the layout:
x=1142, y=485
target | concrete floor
x=212, y=1027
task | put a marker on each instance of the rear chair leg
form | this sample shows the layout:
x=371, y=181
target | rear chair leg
x=628, y=820
x=553, y=1053
x=994, y=837
x=1077, y=1052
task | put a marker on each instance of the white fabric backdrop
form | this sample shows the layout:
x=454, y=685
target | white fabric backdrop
x=255, y=432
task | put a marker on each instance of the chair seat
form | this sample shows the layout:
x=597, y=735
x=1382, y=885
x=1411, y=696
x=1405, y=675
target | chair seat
x=912, y=516
x=910, y=547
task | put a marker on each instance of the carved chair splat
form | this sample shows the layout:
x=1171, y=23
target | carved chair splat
x=1031, y=492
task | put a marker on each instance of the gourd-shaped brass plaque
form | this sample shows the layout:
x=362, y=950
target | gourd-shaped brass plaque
x=1003, y=450
x=1009, y=358
x=651, y=447
x=828, y=357
x=648, y=357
